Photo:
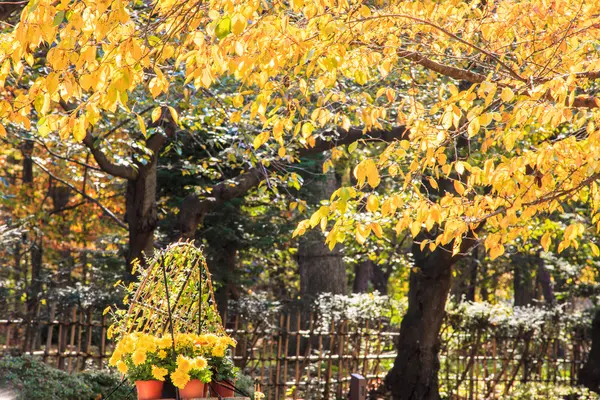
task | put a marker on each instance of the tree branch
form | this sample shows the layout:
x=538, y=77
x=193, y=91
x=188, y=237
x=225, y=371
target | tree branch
x=121, y=171
x=193, y=209
x=342, y=137
x=452, y=72
x=86, y=196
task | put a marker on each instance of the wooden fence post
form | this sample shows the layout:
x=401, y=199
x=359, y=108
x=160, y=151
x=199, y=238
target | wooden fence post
x=50, y=331
x=358, y=387
x=102, y=342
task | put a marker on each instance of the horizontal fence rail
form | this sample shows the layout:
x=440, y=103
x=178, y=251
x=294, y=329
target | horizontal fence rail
x=70, y=338
x=303, y=356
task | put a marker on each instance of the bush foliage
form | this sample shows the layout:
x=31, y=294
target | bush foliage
x=30, y=379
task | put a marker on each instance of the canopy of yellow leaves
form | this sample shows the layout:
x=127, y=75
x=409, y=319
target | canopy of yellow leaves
x=529, y=63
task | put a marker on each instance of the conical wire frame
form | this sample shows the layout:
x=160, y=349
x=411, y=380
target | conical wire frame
x=174, y=288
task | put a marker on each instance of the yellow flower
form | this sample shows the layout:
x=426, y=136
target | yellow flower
x=180, y=378
x=182, y=340
x=227, y=341
x=159, y=373
x=138, y=357
x=211, y=338
x=146, y=343
x=122, y=367
x=164, y=342
x=128, y=345
x=259, y=395
x=200, y=363
x=183, y=363
x=114, y=359
x=162, y=354
x=219, y=350
x=201, y=340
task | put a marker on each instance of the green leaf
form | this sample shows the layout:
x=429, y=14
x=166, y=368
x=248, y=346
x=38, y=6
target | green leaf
x=352, y=147
x=58, y=18
x=154, y=40
x=223, y=27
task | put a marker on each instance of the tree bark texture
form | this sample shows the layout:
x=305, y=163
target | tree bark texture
x=589, y=376
x=362, y=275
x=321, y=270
x=414, y=375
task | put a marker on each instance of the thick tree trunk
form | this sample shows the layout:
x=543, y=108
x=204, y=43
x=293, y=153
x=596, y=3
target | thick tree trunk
x=523, y=280
x=465, y=282
x=35, y=285
x=321, y=270
x=380, y=278
x=225, y=273
x=141, y=214
x=362, y=275
x=414, y=375
x=60, y=198
x=545, y=282
x=589, y=376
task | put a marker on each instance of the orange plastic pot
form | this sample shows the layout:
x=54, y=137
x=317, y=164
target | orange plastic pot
x=192, y=390
x=149, y=390
x=223, y=389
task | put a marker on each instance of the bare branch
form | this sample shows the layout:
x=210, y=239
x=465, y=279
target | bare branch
x=88, y=197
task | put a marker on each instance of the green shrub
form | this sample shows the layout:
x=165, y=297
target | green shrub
x=29, y=378
x=104, y=382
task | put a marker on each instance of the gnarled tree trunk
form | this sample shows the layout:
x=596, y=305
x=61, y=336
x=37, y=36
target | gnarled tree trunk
x=414, y=375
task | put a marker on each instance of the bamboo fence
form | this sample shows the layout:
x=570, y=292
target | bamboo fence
x=301, y=356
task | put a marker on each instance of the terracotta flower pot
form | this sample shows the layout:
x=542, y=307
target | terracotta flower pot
x=149, y=390
x=192, y=390
x=223, y=389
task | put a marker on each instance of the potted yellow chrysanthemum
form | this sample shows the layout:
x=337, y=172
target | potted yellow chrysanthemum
x=191, y=371
x=223, y=370
x=145, y=360
x=190, y=375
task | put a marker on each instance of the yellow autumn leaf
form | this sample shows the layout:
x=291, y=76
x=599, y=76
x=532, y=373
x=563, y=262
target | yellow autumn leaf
x=238, y=24
x=307, y=130
x=372, y=203
x=507, y=94
x=142, y=124
x=79, y=130
x=364, y=11
x=377, y=230
x=595, y=249
x=546, y=241
x=372, y=173
x=473, y=128
x=261, y=139
x=156, y=113
x=361, y=233
x=415, y=228
x=459, y=187
x=174, y=115
x=496, y=251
